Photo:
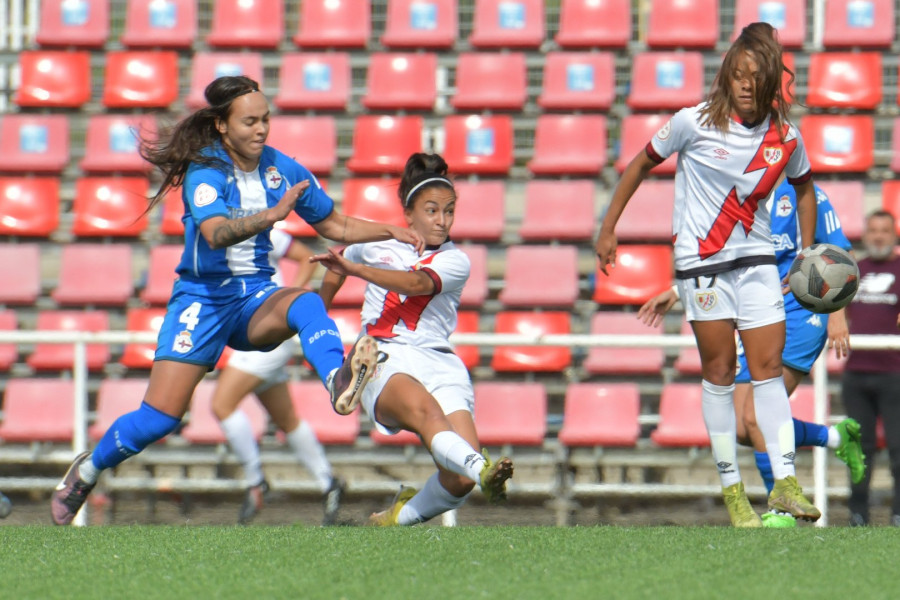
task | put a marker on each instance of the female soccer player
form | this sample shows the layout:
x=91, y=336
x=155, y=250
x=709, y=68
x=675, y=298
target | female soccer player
x=806, y=335
x=234, y=189
x=410, y=308
x=265, y=375
x=732, y=150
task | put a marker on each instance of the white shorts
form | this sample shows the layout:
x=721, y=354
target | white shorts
x=750, y=296
x=268, y=366
x=443, y=374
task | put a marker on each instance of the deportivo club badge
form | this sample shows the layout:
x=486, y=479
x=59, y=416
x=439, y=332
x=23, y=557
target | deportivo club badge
x=273, y=178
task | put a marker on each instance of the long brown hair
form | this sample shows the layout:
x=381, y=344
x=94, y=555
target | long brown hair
x=761, y=40
x=175, y=149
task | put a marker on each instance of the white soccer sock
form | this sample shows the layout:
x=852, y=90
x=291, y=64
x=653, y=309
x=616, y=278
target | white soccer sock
x=309, y=451
x=432, y=500
x=239, y=433
x=455, y=454
x=721, y=424
x=773, y=416
x=87, y=472
x=834, y=437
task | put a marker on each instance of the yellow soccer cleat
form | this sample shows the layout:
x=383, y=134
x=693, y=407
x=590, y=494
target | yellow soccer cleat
x=787, y=497
x=739, y=509
x=389, y=517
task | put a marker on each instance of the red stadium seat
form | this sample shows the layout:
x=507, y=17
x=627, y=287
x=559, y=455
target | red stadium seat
x=890, y=200
x=848, y=200
x=601, y=415
x=547, y=218
x=172, y=212
x=623, y=361
x=478, y=144
x=510, y=24
x=203, y=427
x=851, y=23
x=38, y=410
x=488, y=80
x=636, y=133
x=9, y=353
x=401, y=438
x=382, y=144
x=466, y=322
x=578, y=81
x=373, y=200
x=844, y=80
x=557, y=285
x=312, y=403
x=569, y=145
x=97, y=274
x=480, y=210
x=803, y=404
x=115, y=398
x=839, y=143
x=139, y=79
x=510, y=413
x=164, y=258
x=110, y=206
x=208, y=66
x=49, y=78
x=334, y=23
x=666, y=80
x=313, y=81
x=531, y=358
x=351, y=294
x=139, y=355
x=30, y=142
x=648, y=216
x=311, y=141
x=594, y=23
x=80, y=23
x=787, y=16
x=681, y=417
x=162, y=24
x=688, y=360
x=61, y=357
x=21, y=268
x=242, y=24
x=347, y=321
x=475, y=291
x=687, y=23
x=641, y=272
x=401, y=81
x=112, y=143
x=416, y=24
x=30, y=206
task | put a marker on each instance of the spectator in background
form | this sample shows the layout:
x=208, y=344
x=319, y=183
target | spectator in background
x=871, y=378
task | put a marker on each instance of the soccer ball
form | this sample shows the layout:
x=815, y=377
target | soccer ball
x=824, y=278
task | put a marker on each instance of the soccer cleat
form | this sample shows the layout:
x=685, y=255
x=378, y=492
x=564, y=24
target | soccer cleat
x=739, y=509
x=389, y=517
x=774, y=520
x=493, y=477
x=253, y=502
x=349, y=381
x=332, y=500
x=850, y=450
x=70, y=494
x=787, y=496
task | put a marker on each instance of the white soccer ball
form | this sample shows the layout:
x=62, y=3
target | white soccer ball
x=824, y=278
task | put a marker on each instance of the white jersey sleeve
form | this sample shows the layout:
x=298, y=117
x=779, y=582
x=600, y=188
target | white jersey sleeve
x=676, y=134
x=798, y=165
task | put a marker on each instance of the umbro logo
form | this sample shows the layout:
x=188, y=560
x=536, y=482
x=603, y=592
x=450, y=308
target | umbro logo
x=789, y=456
x=724, y=467
x=721, y=153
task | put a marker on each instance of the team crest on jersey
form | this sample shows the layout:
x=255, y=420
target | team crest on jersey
x=772, y=155
x=784, y=206
x=204, y=195
x=183, y=342
x=705, y=300
x=273, y=178
x=665, y=130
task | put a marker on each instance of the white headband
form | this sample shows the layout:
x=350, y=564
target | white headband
x=423, y=182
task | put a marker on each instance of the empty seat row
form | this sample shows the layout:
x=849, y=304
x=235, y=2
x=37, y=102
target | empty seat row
x=435, y=23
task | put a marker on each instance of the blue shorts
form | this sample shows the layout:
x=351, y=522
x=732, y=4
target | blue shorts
x=202, y=318
x=806, y=334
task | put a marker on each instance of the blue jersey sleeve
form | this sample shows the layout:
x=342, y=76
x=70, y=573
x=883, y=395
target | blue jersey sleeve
x=203, y=191
x=314, y=204
x=828, y=225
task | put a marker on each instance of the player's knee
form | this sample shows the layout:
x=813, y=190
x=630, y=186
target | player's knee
x=718, y=372
x=145, y=426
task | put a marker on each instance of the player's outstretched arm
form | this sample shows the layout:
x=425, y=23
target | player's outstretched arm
x=350, y=230
x=654, y=309
x=408, y=283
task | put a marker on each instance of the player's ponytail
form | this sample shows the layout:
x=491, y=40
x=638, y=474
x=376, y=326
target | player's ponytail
x=421, y=172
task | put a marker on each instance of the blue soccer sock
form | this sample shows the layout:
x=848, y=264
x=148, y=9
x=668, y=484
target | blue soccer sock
x=765, y=470
x=131, y=433
x=318, y=333
x=810, y=434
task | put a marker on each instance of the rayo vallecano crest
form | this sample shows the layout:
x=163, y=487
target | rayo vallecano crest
x=772, y=156
x=705, y=300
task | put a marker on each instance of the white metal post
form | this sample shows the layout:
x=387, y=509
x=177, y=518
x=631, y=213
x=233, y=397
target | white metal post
x=80, y=418
x=820, y=455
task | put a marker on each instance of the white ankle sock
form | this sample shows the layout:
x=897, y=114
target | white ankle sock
x=87, y=472
x=428, y=503
x=834, y=437
x=455, y=454
x=721, y=424
x=239, y=433
x=309, y=451
x=773, y=416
